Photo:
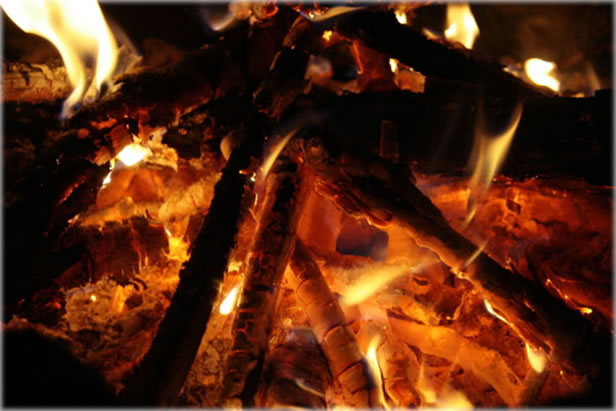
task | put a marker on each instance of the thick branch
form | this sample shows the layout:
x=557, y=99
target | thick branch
x=273, y=246
x=158, y=379
x=541, y=319
x=381, y=31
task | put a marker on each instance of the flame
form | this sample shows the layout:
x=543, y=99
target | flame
x=586, y=310
x=119, y=297
x=461, y=25
x=327, y=35
x=536, y=358
x=93, y=298
x=401, y=17
x=107, y=179
x=491, y=311
x=475, y=254
x=488, y=155
x=375, y=370
x=393, y=65
x=227, y=305
x=454, y=400
x=539, y=72
x=133, y=154
x=375, y=279
x=449, y=398
x=424, y=387
x=301, y=384
x=274, y=150
x=178, y=249
x=79, y=31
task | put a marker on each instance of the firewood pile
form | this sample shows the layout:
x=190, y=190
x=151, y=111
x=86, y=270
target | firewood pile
x=249, y=225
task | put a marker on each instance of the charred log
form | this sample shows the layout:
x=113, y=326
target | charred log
x=540, y=318
x=381, y=31
x=273, y=246
x=437, y=131
x=159, y=377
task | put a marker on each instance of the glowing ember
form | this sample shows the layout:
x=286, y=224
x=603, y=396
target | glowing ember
x=327, y=35
x=493, y=313
x=93, y=298
x=401, y=17
x=461, y=25
x=376, y=370
x=586, y=310
x=541, y=72
x=133, y=154
x=393, y=64
x=227, y=305
x=488, y=155
x=79, y=31
x=536, y=358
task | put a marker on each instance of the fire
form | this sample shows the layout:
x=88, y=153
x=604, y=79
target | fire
x=493, y=313
x=401, y=17
x=93, y=298
x=274, y=150
x=461, y=25
x=541, y=72
x=107, y=179
x=327, y=35
x=376, y=370
x=424, y=386
x=454, y=400
x=227, y=305
x=132, y=154
x=536, y=358
x=393, y=65
x=375, y=279
x=586, y=310
x=79, y=31
x=488, y=155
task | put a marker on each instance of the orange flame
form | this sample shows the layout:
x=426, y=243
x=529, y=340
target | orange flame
x=541, y=72
x=79, y=31
x=133, y=154
x=461, y=25
x=536, y=358
x=376, y=278
x=493, y=313
x=488, y=155
x=227, y=305
x=401, y=17
x=375, y=369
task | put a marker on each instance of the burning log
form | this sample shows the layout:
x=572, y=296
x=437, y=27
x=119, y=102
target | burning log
x=233, y=65
x=328, y=322
x=158, y=379
x=441, y=129
x=34, y=82
x=290, y=375
x=397, y=363
x=446, y=343
x=540, y=318
x=381, y=31
x=272, y=248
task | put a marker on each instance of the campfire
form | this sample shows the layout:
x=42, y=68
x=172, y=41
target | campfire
x=371, y=206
